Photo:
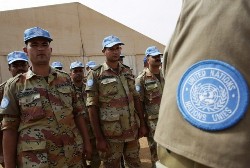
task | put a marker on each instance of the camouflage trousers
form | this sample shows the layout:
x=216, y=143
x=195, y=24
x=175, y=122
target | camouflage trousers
x=129, y=151
x=95, y=161
x=153, y=150
x=44, y=159
x=172, y=160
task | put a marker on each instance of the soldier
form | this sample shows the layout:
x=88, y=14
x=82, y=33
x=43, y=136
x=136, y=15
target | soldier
x=43, y=123
x=114, y=107
x=57, y=65
x=149, y=84
x=18, y=63
x=204, y=114
x=77, y=76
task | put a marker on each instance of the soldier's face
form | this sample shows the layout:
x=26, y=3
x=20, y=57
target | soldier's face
x=18, y=67
x=154, y=60
x=77, y=74
x=39, y=51
x=113, y=53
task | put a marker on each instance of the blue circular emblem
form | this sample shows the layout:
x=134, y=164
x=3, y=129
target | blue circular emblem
x=90, y=82
x=4, y=102
x=212, y=95
x=137, y=88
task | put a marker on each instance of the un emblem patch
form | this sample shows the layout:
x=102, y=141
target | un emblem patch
x=212, y=95
x=4, y=103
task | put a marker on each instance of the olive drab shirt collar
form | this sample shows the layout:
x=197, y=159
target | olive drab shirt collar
x=106, y=67
x=31, y=74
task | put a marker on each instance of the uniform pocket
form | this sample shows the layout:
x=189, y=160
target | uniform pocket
x=31, y=107
x=33, y=145
x=151, y=86
x=33, y=153
x=108, y=86
x=111, y=125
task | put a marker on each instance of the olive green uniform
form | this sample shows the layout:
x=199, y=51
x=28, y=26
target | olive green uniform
x=206, y=30
x=113, y=93
x=150, y=89
x=42, y=110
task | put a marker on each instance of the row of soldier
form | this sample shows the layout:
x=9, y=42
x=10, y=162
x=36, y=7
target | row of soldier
x=52, y=119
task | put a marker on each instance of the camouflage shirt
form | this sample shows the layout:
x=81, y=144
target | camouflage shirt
x=113, y=93
x=150, y=89
x=43, y=111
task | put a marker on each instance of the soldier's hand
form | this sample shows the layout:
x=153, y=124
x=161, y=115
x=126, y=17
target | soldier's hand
x=143, y=131
x=102, y=145
x=87, y=152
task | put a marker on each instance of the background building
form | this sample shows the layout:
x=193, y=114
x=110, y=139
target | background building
x=77, y=32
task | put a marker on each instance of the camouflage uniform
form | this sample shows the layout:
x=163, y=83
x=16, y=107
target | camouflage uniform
x=113, y=93
x=95, y=161
x=150, y=90
x=43, y=111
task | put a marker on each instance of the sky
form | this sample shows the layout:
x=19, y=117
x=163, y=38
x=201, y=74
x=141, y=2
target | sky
x=153, y=18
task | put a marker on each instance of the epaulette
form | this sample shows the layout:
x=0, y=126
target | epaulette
x=13, y=79
x=2, y=84
x=125, y=65
x=61, y=71
x=96, y=67
x=141, y=74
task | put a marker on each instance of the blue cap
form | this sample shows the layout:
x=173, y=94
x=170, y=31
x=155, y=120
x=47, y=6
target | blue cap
x=57, y=65
x=76, y=64
x=145, y=59
x=152, y=51
x=110, y=41
x=36, y=32
x=91, y=64
x=17, y=56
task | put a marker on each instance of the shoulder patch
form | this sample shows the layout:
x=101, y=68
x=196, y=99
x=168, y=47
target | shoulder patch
x=138, y=88
x=96, y=67
x=212, y=95
x=90, y=82
x=4, y=103
x=125, y=66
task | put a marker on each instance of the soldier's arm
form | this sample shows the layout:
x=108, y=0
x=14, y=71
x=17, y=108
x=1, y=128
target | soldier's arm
x=82, y=126
x=140, y=112
x=95, y=123
x=10, y=137
x=9, y=111
x=9, y=147
x=138, y=99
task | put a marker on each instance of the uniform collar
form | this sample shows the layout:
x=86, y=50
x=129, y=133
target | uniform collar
x=106, y=67
x=30, y=73
x=148, y=72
